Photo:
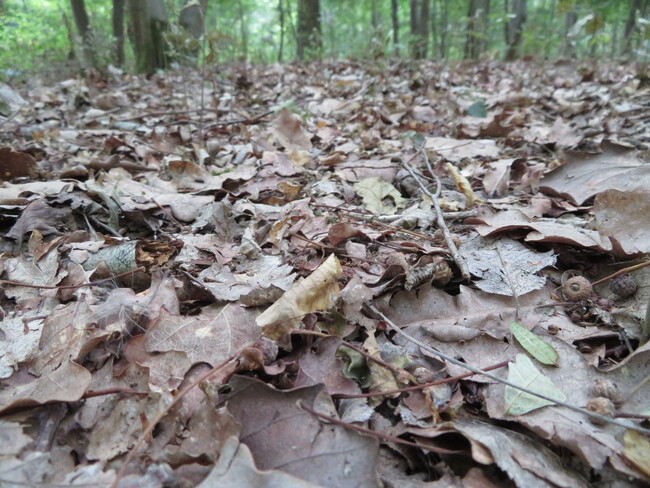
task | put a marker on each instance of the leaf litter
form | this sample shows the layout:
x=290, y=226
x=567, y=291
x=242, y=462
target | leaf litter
x=215, y=301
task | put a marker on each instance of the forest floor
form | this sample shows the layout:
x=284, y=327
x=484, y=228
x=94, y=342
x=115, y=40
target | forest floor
x=337, y=274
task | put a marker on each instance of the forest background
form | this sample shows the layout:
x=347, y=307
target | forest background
x=64, y=36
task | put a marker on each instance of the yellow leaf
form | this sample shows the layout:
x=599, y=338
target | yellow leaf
x=637, y=450
x=462, y=184
x=381, y=378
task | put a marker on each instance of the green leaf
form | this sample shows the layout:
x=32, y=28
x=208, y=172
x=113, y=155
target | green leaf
x=536, y=347
x=477, y=109
x=355, y=367
x=523, y=373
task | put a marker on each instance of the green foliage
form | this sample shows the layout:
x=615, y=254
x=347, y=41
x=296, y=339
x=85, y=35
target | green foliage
x=39, y=34
x=34, y=33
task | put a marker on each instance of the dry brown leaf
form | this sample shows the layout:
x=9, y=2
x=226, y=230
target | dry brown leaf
x=314, y=293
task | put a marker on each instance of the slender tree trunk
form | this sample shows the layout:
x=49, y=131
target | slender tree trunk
x=424, y=23
x=71, y=35
x=637, y=9
x=444, y=29
x=309, y=42
x=118, y=31
x=395, y=21
x=374, y=15
x=477, y=28
x=419, y=28
x=82, y=22
x=514, y=27
x=568, y=48
x=435, y=35
x=281, y=15
x=243, y=29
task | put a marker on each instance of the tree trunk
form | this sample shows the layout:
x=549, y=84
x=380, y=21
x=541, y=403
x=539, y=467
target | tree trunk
x=444, y=29
x=148, y=20
x=192, y=15
x=395, y=21
x=309, y=42
x=243, y=29
x=637, y=9
x=71, y=35
x=281, y=14
x=85, y=33
x=477, y=27
x=514, y=28
x=419, y=28
x=375, y=19
x=568, y=48
x=118, y=31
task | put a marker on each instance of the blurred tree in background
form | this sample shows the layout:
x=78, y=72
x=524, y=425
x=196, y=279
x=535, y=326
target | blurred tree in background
x=146, y=35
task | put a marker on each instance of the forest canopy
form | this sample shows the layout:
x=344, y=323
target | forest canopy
x=44, y=35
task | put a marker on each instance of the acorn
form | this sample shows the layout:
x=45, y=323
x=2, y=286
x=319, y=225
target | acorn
x=607, y=389
x=576, y=289
x=623, y=285
x=602, y=406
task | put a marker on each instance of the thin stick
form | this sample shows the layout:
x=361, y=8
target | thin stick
x=70, y=287
x=374, y=433
x=601, y=418
x=622, y=271
x=453, y=250
x=451, y=379
x=152, y=425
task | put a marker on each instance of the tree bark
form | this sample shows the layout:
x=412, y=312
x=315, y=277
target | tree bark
x=568, y=48
x=419, y=28
x=148, y=19
x=82, y=22
x=477, y=27
x=243, y=29
x=118, y=31
x=374, y=15
x=444, y=29
x=309, y=42
x=395, y=21
x=192, y=15
x=514, y=28
x=281, y=15
x=638, y=8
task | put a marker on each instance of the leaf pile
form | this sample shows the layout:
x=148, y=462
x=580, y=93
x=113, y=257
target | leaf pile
x=205, y=276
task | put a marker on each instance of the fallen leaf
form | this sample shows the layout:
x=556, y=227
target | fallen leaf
x=314, y=293
x=523, y=373
x=536, y=347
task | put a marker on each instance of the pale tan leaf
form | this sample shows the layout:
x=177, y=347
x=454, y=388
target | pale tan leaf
x=314, y=293
x=379, y=196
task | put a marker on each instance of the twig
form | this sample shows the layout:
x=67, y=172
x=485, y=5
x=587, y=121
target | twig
x=70, y=287
x=601, y=418
x=453, y=250
x=391, y=218
x=394, y=369
x=621, y=271
x=152, y=425
x=379, y=435
x=451, y=379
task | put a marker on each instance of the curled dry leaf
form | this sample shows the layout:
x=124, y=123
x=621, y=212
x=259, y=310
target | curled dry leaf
x=314, y=293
